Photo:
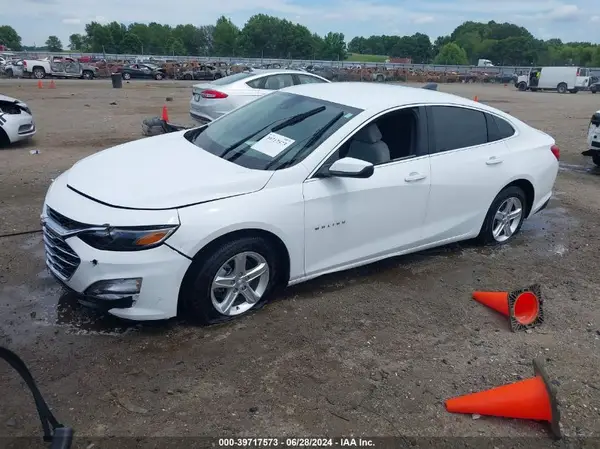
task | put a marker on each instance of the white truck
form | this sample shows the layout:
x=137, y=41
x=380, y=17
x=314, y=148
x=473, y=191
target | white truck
x=57, y=66
x=593, y=139
x=484, y=63
x=560, y=79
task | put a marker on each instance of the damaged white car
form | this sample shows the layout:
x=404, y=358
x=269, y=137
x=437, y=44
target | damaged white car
x=593, y=139
x=16, y=121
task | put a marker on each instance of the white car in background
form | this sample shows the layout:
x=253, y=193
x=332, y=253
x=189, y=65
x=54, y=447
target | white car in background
x=16, y=121
x=212, y=99
x=593, y=139
x=305, y=181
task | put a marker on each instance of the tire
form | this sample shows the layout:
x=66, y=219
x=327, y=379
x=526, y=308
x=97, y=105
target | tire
x=188, y=77
x=198, y=297
x=380, y=78
x=596, y=159
x=562, y=88
x=522, y=86
x=573, y=91
x=218, y=76
x=9, y=73
x=158, y=76
x=87, y=75
x=486, y=235
x=127, y=76
x=39, y=73
x=594, y=91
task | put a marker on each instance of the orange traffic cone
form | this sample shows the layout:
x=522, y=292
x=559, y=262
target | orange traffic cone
x=40, y=84
x=476, y=98
x=524, y=308
x=52, y=84
x=165, y=114
x=532, y=398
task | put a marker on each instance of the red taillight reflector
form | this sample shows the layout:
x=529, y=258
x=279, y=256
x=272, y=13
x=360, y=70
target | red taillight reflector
x=555, y=151
x=24, y=63
x=212, y=94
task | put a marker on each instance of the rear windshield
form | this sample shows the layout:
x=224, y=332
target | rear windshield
x=231, y=78
x=248, y=136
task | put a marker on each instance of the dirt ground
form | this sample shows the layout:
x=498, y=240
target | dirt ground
x=373, y=351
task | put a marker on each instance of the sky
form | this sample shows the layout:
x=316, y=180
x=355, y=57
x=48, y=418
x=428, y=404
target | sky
x=576, y=20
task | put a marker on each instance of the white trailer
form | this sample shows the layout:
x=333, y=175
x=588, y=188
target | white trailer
x=561, y=79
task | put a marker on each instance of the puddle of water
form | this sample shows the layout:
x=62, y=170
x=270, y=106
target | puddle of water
x=588, y=169
x=549, y=220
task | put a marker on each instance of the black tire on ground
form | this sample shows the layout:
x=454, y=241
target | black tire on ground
x=596, y=159
x=593, y=91
x=195, y=298
x=188, y=77
x=522, y=86
x=9, y=73
x=158, y=76
x=562, y=88
x=87, y=75
x=485, y=235
x=218, y=76
x=126, y=76
x=39, y=73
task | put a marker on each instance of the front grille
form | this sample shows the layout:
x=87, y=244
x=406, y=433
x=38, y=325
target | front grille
x=60, y=257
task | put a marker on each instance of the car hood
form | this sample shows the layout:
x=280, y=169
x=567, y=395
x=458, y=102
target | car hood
x=162, y=172
x=11, y=100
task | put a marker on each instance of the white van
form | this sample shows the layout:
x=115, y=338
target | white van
x=484, y=63
x=561, y=79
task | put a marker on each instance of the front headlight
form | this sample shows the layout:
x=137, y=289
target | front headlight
x=128, y=239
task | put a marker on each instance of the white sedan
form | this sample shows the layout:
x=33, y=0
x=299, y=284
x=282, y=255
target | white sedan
x=305, y=181
x=16, y=121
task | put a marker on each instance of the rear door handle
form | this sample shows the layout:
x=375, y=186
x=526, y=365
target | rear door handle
x=494, y=161
x=414, y=176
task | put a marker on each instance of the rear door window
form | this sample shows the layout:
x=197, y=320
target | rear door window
x=456, y=127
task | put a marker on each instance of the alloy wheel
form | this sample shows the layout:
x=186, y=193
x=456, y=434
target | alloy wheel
x=240, y=283
x=507, y=219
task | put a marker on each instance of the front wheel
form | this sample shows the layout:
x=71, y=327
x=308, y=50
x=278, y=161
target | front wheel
x=504, y=218
x=232, y=281
x=522, y=87
x=87, y=75
x=126, y=76
x=158, y=76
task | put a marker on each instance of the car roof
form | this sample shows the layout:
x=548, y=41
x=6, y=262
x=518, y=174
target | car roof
x=369, y=96
x=262, y=72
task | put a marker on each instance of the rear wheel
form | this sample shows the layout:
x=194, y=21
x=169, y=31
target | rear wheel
x=505, y=217
x=561, y=88
x=233, y=280
x=126, y=76
x=158, y=76
x=39, y=73
x=596, y=159
x=87, y=75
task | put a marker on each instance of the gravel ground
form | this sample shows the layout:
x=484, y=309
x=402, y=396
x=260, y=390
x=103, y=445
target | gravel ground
x=373, y=351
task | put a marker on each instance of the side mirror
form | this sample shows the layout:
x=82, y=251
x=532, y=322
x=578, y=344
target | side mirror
x=349, y=167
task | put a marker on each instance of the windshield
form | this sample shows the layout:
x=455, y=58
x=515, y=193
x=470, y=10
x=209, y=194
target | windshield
x=272, y=132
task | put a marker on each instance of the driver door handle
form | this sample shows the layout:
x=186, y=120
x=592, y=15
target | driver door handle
x=494, y=161
x=415, y=176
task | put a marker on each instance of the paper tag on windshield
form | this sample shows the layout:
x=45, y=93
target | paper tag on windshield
x=272, y=144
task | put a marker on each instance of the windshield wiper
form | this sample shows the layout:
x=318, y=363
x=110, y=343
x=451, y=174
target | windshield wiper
x=288, y=122
x=298, y=118
x=311, y=141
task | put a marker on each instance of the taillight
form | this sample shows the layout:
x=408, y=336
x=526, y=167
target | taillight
x=24, y=63
x=555, y=151
x=212, y=94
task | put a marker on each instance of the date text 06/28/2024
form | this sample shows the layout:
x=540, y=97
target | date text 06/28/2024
x=295, y=442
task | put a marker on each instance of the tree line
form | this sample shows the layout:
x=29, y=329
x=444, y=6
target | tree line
x=271, y=37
